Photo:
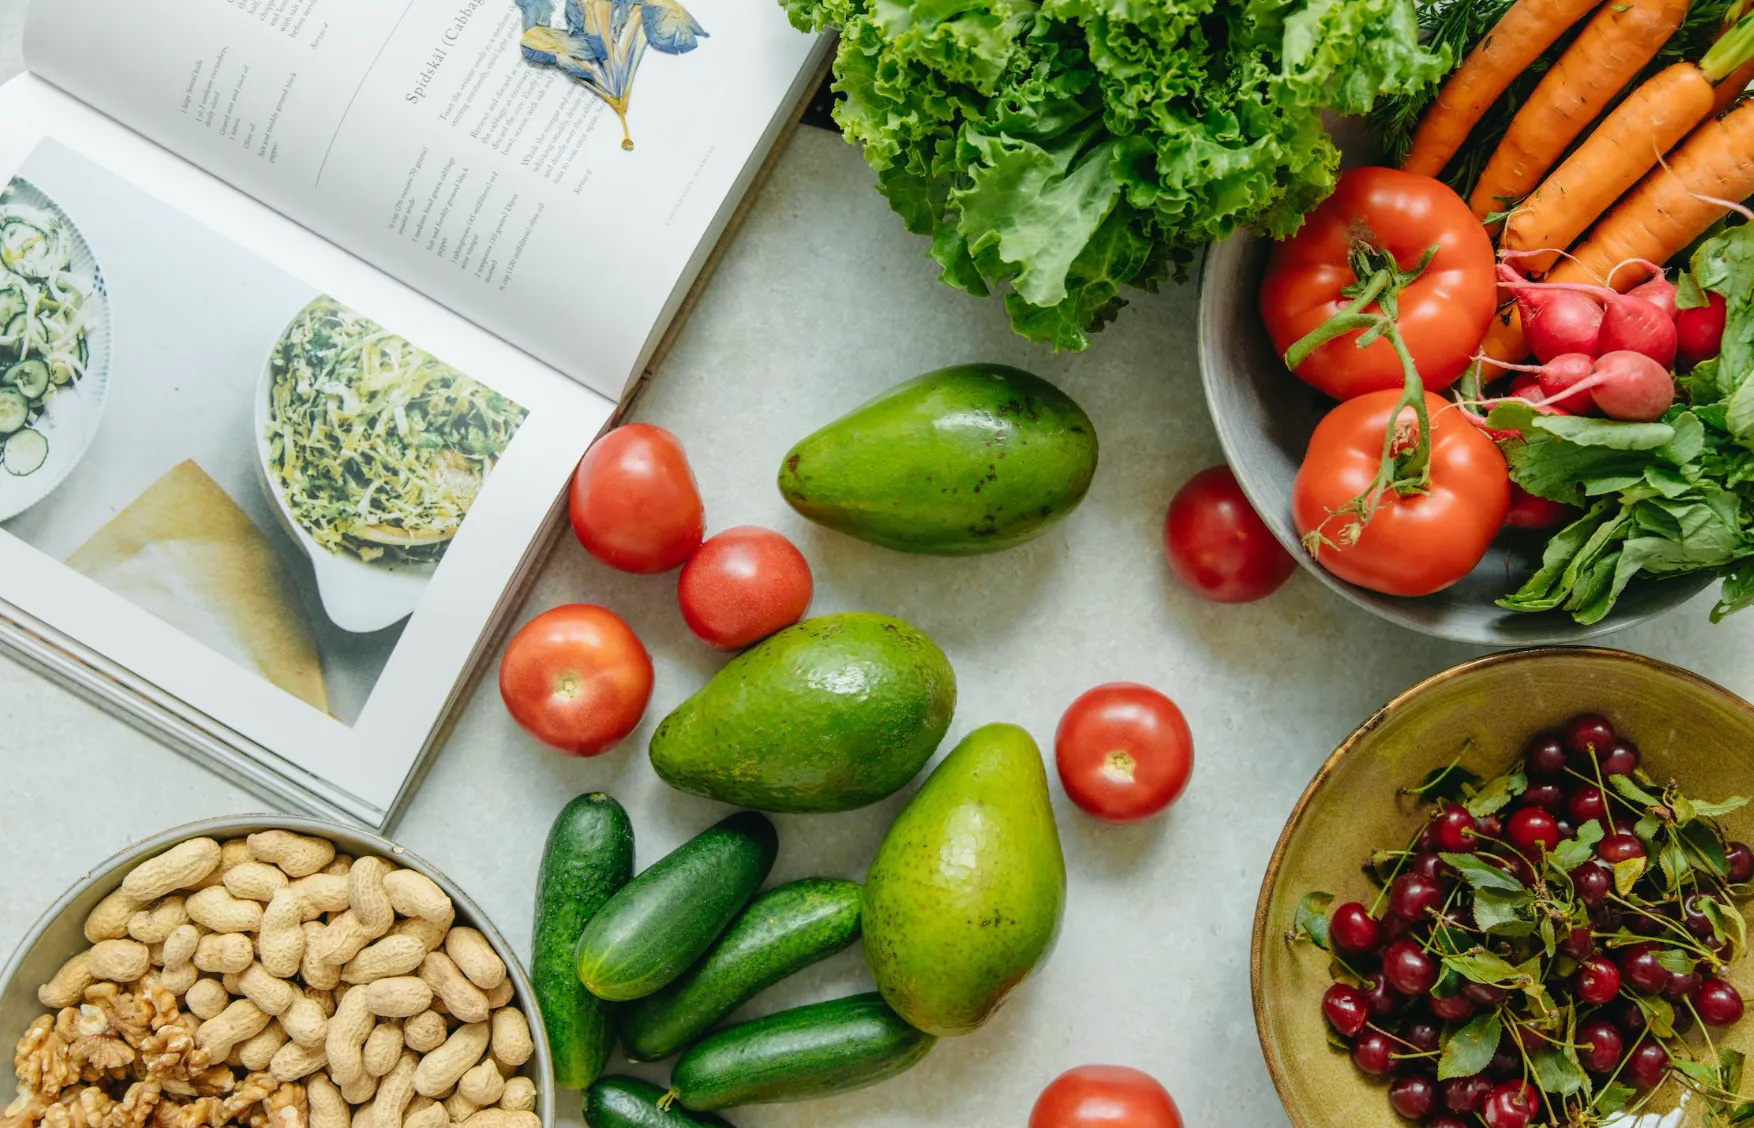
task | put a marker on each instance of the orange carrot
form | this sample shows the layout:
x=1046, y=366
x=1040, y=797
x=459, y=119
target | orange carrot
x=1524, y=32
x=1651, y=121
x=1657, y=219
x=1612, y=48
x=1732, y=87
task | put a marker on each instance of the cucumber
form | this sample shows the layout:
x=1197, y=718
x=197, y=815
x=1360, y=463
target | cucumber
x=30, y=377
x=14, y=411
x=588, y=857
x=662, y=920
x=805, y=1052
x=627, y=1102
x=782, y=932
x=24, y=452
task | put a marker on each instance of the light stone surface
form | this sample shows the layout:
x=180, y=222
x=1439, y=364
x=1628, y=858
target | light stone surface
x=822, y=302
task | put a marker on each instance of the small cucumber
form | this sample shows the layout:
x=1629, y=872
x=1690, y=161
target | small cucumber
x=662, y=920
x=804, y=1052
x=627, y=1102
x=782, y=932
x=588, y=857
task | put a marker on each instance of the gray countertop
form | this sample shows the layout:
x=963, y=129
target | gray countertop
x=821, y=302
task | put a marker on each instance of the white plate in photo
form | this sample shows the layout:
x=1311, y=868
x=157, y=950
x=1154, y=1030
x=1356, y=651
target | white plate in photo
x=358, y=595
x=61, y=420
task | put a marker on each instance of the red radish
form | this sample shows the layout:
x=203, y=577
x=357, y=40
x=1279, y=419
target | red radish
x=1556, y=322
x=1700, y=331
x=1630, y=385
x=1659, y=292
x=1628, y=323
x=1549, y=385
x=1530, y=512
x=1527, y=387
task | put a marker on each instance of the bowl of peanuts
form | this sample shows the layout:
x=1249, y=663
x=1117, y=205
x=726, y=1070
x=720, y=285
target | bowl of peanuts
x=269, y=971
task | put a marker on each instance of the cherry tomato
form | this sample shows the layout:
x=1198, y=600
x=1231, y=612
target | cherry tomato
x=1218, y=545
x=634, y=503
x=1124, y=752
x=1104, y=1096
x=1413, y=545
x=1443, y=313
x=577, y=678
x=743, y=585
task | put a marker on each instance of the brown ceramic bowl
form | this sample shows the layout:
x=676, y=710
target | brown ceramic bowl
x=1685, y=726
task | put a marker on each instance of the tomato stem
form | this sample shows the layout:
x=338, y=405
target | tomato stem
x=1406, y=470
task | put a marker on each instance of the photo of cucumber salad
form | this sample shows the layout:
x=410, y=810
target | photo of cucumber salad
x=46, y=317
x=376, y=447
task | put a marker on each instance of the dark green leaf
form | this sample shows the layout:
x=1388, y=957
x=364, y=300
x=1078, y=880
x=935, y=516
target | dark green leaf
x=1658, y=1015
x=1557, y=1071
x=1470, y=1049
x=1728, y=922
x=1448, y=784
x=1312, y=919
x=1481, y=966
x=1704, y=848
x=1503, y=912
x=1575, y=851
x=1633, y=792
x=1705, y=810
x=1672, y=860
x=1497, y=793
x=1676, y=962
x=1479, y=874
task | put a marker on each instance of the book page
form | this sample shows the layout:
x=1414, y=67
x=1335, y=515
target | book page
x=258, y=475
x=559, y=196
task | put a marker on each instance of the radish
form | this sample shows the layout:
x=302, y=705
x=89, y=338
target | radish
x=1556, y=322
x=1659, y=292
x=1630, y=385
x=1627, y=324
x=1551, y=386
x=1700, y=331
x=1530, y=512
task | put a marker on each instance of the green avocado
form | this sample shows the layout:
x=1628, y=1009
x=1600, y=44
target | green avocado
x=828, y=715
x=964, y=460
x=965, y=895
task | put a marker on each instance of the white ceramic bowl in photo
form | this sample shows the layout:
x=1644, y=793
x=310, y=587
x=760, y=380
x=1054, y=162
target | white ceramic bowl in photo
x=70, y=420
x=1264, y=416
x=357, y=595
x=59, y=933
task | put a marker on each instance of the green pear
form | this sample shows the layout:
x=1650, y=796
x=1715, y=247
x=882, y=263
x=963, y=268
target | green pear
x=965, y=895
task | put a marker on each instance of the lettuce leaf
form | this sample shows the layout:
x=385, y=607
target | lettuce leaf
x=1066, y=152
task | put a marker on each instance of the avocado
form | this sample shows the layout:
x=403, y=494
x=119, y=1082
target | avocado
x=965, y=894
x=828, y=715
x=964, y=460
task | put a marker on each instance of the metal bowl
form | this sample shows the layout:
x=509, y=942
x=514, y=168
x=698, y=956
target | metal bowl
x=1685, y=726
x=1264, y=418
x=59, y=933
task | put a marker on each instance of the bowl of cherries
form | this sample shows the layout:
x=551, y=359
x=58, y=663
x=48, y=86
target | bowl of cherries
x=1514, y=898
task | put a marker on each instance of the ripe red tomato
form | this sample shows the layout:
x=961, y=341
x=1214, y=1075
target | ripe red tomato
x=634, y=503
x=1413, y=545
x=1124, y=752
x=577, y=678
x=1104, y=1096
x=1443, y=313
x=1218, y=545
x=743, y=585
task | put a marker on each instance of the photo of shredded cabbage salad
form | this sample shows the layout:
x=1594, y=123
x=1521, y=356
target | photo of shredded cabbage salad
x=377, y=447
x=45, y=322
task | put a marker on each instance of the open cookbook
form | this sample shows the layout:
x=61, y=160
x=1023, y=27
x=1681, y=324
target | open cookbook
x=307, y=310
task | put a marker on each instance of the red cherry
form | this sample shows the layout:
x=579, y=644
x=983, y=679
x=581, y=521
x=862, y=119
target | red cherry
x=1408, y=969
x=1456, y=1008
x=1382, y=998
x=1592, y=883
x=1589, y=734
x=1533, y=830
x=1741, y=862
x=1598, y=980
x=1347, y=1008
x=1353, y=929
x=1511, y=1105
x=1718, y=1003
x=1549, y=796
x=1617, y=848
x=1622, y=758
x=1545, y=756
x=1454, y=830
x=1579, y=944
x=1413, y=897
x=1647, y=1065
x=1588, y=804
x=1466, y=1094
x=1599, y=1046
x=1641, y=971
x=1373, y=1053
x=1413, y=1096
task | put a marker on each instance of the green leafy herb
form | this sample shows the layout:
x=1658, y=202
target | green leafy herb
x=1065, y=152
x=1312, y=919
x=1470, y=1049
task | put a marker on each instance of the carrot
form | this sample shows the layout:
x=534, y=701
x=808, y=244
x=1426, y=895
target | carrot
x=1669, y=208
x=1524, y=32
x=1651, y=121
x=1612, y=48
x=1732, y=87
